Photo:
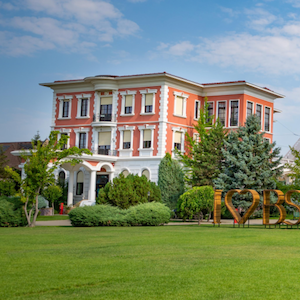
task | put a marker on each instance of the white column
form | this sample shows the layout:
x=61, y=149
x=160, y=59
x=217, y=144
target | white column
x=92, y=190
x=70, y=188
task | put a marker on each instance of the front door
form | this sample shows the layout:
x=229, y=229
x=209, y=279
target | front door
x=101, y=181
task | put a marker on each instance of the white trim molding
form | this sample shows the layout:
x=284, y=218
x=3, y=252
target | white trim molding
x=185, y=97
x=81, y=130
x=146, y=151
x=79, y=101
x=61, y=101
x=126, y=152
x=239, y=107
x=123, y=94
x=143, y=93
x=197, y=112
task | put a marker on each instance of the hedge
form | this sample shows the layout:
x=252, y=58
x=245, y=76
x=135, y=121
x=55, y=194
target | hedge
x=146, y=214
x=11, y=213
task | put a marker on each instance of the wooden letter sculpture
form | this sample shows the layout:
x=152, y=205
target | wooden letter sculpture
x=251, y=209
x=267, y=204
x=289, y=202
x=217, y=206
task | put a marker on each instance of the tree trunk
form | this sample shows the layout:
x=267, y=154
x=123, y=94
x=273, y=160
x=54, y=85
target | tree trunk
x=36, y=210
x=209, y=216
x=52, y=208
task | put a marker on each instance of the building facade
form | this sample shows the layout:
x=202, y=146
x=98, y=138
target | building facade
x=130, y=122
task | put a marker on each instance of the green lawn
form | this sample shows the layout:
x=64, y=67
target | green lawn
x=52, y=218
x=167, y=262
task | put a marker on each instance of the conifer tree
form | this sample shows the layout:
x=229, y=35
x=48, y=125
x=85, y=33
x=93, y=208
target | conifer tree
x=3, y=162
x=203, y=156
x=170, y=181
x=250, y=162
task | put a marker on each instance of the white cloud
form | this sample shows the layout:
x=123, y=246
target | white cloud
x=259, y=18
x=136, y=1
x=181, y=48
x=73, y=25
x=8, y=6
x=295, y=3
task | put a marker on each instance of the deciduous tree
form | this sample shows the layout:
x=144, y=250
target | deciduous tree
x=41, y=161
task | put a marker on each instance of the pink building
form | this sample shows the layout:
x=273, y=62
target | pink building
x=130, y=122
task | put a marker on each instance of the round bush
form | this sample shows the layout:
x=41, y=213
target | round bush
x=9, y=216
x=148, y=214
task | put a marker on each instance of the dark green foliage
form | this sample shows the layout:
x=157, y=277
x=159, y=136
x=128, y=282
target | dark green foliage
x=250, y=162
x=204, y=155
x=170, y=180
x=128, y=191
x=147, y=214
x=196, y=202
x=7, y=187
x=3, y=163
x=11, y=212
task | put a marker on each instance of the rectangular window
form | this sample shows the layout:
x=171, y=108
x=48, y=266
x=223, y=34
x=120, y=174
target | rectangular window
x=128, y=104
x=148, y=103
x=79, y=188
x=249, y=109
x=179, y=106
x=234, y=113
x=105, y=108
x=84, y=107
x=147, y=138
x=222, y=112
x=104, y=140
x=210, y=111
x=197, y=109
x=259, y=111
x=177, y=140
x=82, y=140
x=126, y=139
x=65, y=112
x=267, y=118
x=196, y=137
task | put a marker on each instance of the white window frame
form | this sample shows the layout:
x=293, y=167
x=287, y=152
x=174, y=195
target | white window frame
x=197, y=112
x=61, y=102
x=146, y=151
x=68, y=132
x=247, y=108
x=79, y=101
x=126, y=152
x=262, y=114
x=230, y=113
x=183, y=131
x=185, y=97
x=266, y=138
x=214, y=113
x=123, y=94
x=269, y=119
x=143, y=93
x=217, y=111
x=143, y=169
x=196, y=137
x=82, y=130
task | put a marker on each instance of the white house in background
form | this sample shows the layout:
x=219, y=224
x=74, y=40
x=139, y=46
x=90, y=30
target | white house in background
x=289, y=158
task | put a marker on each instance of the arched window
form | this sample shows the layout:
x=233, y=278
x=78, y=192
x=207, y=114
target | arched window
x=79, y=186
x=125, y=173
x=146, y=173
x=61, y=177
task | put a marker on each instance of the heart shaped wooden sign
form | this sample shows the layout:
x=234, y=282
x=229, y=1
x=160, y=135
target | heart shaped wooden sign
x=232, y=209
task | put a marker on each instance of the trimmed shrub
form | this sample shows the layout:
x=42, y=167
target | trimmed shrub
x=128, y=191
x=196, y=202
x=147, y=214
x=7, y=187
x=98, y=215
x=9, y=216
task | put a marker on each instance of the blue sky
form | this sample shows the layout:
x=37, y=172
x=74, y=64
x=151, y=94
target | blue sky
x=204, y=41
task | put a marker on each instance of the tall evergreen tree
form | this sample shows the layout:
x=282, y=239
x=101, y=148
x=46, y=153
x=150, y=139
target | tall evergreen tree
x=3, y=162
x=170, y=181
x=204, y=156
x=250, y=162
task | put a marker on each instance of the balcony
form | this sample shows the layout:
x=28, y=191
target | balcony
x=104, y=120
x=105, y=152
